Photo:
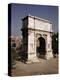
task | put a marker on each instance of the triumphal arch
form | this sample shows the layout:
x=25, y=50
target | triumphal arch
x=37, y=41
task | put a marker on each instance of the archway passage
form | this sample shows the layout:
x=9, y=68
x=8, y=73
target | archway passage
x=41, y=48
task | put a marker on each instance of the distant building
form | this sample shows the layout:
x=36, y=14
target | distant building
x=16, y=41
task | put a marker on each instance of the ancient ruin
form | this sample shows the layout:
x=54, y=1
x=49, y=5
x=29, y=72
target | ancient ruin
x=37, y=41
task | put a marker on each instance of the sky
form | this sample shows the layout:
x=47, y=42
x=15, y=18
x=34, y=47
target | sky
x=18, y=11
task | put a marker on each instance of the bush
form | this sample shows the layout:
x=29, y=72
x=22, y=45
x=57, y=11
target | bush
x=55, y=43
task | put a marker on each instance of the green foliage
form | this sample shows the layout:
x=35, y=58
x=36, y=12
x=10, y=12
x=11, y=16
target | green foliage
x=55, y=43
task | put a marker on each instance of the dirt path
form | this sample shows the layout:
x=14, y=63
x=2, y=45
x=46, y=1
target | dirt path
x=42, y=67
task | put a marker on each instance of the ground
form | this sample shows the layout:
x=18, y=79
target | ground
x=43, y=67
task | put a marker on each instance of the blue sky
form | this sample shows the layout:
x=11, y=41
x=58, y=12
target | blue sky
x=20, y=10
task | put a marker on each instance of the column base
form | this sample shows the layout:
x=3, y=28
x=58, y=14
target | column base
x=49, y=55
x=32, y=58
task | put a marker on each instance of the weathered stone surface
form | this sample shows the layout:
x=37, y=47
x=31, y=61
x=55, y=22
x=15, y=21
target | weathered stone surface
x=37, y=28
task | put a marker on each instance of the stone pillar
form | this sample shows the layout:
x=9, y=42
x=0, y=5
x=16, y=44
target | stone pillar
x=32, y=47
x=49, y=47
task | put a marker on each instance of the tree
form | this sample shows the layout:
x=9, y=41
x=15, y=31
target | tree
x=55, y=43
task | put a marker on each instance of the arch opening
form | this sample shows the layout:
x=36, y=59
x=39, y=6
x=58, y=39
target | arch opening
x=41, y=47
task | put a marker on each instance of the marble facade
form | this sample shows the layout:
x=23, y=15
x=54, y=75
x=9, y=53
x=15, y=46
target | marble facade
x=34, y=29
